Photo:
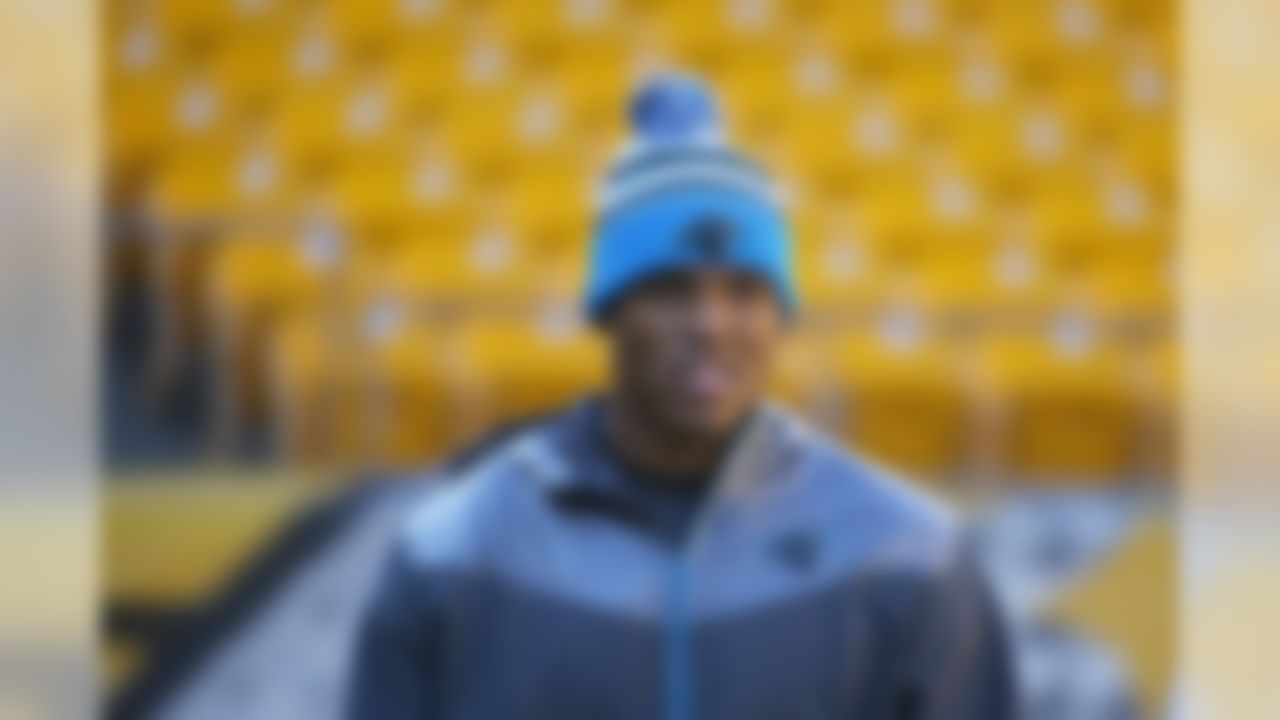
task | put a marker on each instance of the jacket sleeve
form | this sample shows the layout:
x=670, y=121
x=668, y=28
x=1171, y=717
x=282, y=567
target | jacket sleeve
x=395, y=670
x=961, y=664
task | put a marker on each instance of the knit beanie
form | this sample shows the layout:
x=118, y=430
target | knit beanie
x=679, y=198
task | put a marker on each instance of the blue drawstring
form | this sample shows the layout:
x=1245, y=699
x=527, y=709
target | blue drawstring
x=678, y=677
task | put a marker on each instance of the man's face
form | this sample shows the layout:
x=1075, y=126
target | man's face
x=693, y=349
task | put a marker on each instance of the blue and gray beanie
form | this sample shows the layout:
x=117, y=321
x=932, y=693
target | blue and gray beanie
x=680, y=198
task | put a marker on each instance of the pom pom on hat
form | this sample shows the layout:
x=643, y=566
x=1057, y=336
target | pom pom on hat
x=675, y=109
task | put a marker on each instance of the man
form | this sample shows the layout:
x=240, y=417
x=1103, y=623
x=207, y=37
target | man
x=679, y=548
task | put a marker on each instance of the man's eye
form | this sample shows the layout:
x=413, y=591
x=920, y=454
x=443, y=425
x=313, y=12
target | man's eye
x=669, y=286
x=748, y=287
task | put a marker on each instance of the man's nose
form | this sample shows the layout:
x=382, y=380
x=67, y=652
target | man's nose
x=709, y=315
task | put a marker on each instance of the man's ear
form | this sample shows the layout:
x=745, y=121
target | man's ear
x=609, y=316
x=606, y=321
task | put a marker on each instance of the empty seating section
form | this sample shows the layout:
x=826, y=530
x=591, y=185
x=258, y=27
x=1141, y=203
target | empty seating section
x=397, y=198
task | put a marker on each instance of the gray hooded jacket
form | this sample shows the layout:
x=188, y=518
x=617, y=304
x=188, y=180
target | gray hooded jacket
x=808, y=586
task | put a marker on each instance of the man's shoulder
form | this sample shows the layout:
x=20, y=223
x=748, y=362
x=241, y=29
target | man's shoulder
x=447, y=526
x=865, y=494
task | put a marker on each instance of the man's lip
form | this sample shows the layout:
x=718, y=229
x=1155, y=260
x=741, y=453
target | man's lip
x=705, y=378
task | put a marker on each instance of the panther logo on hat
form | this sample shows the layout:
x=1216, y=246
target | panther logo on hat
x=709, y=237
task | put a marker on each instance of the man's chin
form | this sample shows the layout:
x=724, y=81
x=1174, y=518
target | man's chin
x=704, y=423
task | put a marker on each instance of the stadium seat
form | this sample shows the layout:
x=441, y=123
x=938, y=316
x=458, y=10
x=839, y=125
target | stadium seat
x=172, y=544
x=399, y=186
x=801, y=380
x=427, y=76
x=314, y=416
x=536, y=27
x=216, y=181
x=880, y=30
x=1130, y=287
x=356, y=112
x=1067, y=411
x=411, y=412
x=809, y=129
x=253, y=69
x=378, y=23
x=552, y=206
x=702, y=30
x=139, y=118
x=487, y=265
x=519, y=369
x=257, y=282
x=901, y=393
x=1063, y=31
x=481, y=128
x=594, y=75
x=1062, y=212
x=839, y=264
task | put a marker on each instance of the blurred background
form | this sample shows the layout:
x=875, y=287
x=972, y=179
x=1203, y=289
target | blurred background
x=344, y=241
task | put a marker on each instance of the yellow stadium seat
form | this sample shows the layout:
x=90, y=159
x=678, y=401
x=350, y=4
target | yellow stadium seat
x=975, y=272
x=141, y=73
x=1061, y=210
x=195, y=23
x=271, y=273
x=838, y=265
x=138, y=121
x=175, y=544
x=1145, y=145
x=1067, y=411
x=428, y=76
x=168, y=105
x=316, y=412
x=545, y=128
x=921, y=85
x=882, y=130
x=708, y=29
x=901, y=395
x=800, y=380
x=217, y=181
x=375, y=188
x=412, y=410
x=594, y=76
x=254, y=69
x=937, y=201
x=534, y=27
x=754, y=84
x=488, y=265
x=1133, y=211
x=1009, y=142
x=380, y=22
x=868, y=29
x=1093, y=97
x=482, y=126
x=1074, y=32
x=422, y=187
x=1130, y=287
x=183, y=21
x=817, y=139
x=523, y=368
x=256, y=282
x=889, y=207
x=552, y=205
x=354, y=113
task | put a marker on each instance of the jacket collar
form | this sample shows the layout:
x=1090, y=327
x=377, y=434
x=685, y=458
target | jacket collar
x=565, y=456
